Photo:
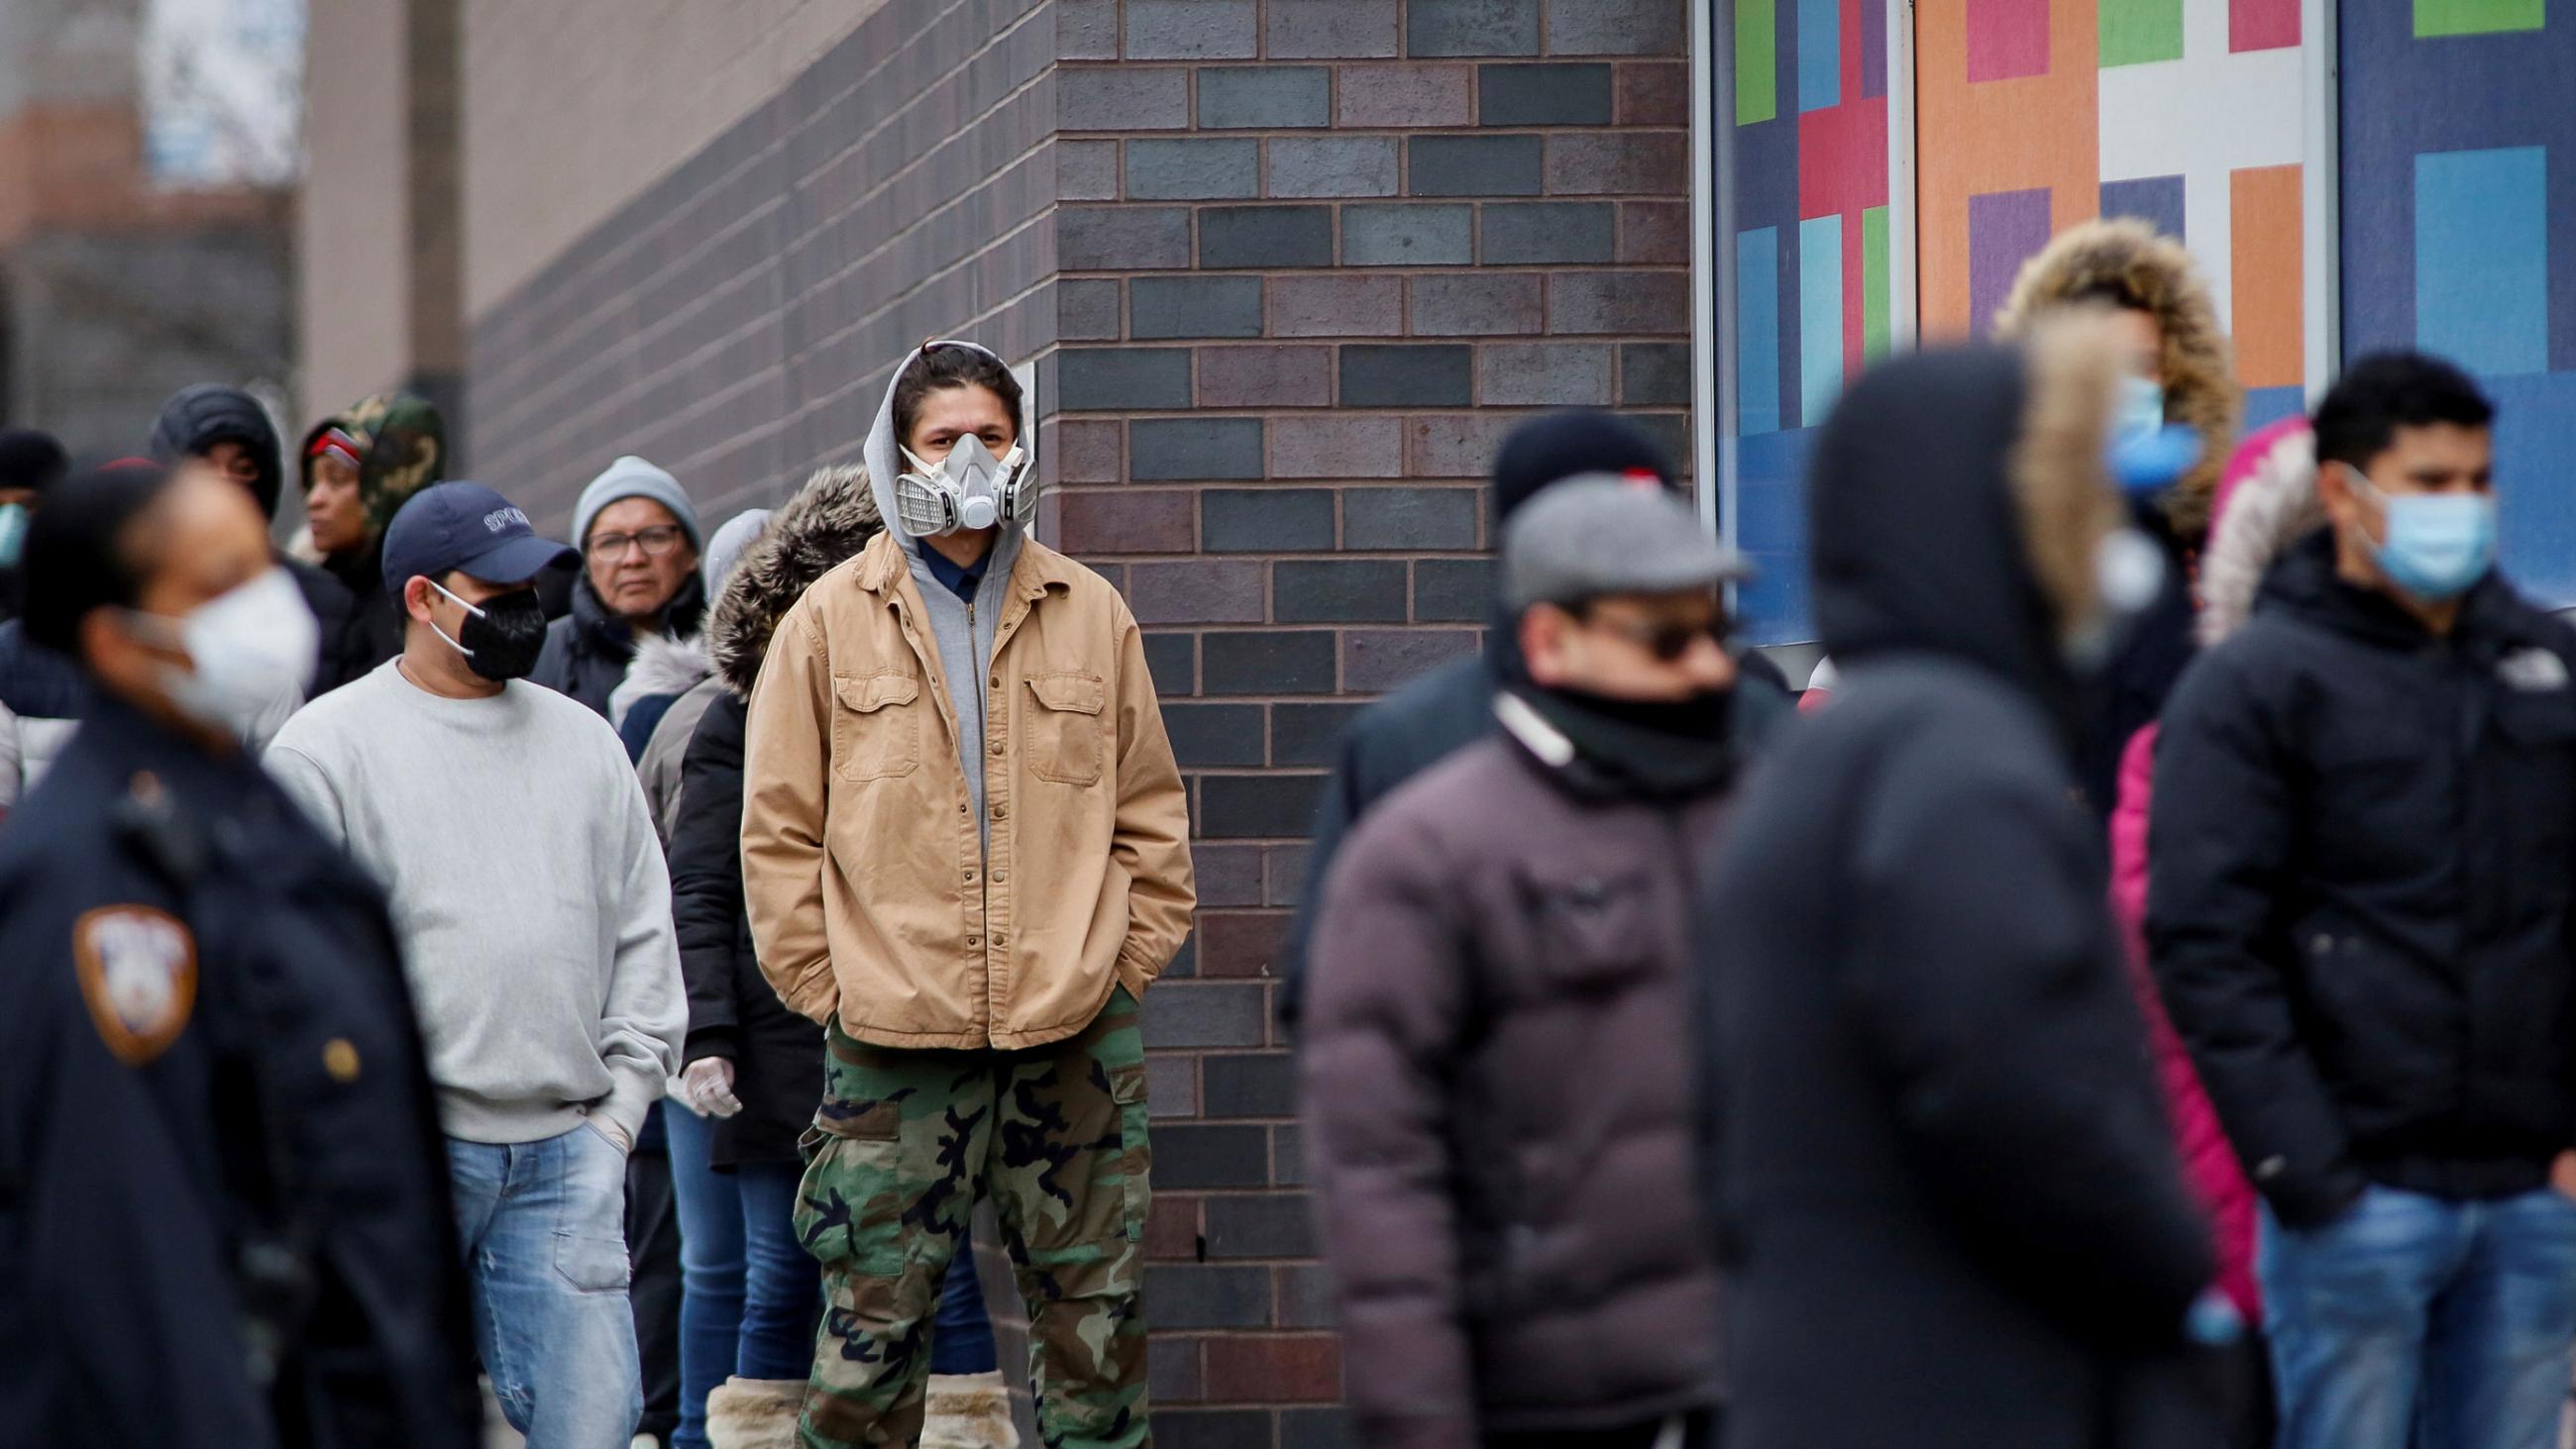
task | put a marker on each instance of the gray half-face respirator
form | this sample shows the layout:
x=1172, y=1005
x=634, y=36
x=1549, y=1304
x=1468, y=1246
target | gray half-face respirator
x=969, y=488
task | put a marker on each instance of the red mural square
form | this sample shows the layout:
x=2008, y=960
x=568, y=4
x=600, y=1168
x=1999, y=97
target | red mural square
x=2262, y=24
x=2007, y=38
x=1842, y=160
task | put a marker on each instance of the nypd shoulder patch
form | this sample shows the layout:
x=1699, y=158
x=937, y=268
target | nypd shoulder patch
x=138, y=972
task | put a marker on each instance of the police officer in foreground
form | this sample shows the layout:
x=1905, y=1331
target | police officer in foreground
x=223, y=1206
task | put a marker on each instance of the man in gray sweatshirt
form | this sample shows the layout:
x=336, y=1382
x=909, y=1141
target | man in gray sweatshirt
x=534, y=912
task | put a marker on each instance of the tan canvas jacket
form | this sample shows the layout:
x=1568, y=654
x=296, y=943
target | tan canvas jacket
x=862, y=864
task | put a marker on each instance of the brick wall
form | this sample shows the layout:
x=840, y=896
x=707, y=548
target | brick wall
x=1317, y=256
x=1290, y=269
x=737, y=321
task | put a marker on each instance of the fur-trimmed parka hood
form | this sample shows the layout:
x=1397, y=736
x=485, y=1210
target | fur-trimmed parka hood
x=2267, y=503
x=2129, y=258
x=828, y=521
x=1958, y=497
x=662, y=666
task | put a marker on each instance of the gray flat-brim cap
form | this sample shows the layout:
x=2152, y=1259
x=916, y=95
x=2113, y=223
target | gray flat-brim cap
x=1596, y=534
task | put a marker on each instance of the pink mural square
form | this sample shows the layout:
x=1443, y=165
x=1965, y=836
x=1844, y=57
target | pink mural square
x=2262, y=24
x=2007, y=38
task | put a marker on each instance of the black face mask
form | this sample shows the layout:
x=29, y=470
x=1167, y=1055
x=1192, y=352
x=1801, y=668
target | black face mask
x=503, y=635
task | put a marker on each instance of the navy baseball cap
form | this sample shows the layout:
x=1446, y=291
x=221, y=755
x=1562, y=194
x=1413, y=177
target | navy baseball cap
x=469, y=528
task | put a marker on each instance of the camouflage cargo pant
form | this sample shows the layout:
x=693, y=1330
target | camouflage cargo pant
x=904, y=1144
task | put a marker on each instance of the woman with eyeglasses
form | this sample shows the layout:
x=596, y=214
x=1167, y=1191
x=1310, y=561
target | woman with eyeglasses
x=639, y=542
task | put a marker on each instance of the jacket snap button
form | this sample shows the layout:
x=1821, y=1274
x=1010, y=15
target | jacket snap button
x=1001, y=812
x=340, y=1059
x=971, y=941
x=997, y=744
x=2271, y=1167
x=2322, y=944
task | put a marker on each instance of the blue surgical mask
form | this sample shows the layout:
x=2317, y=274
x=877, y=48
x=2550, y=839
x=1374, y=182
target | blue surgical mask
x=13, y=533
x=2439, y=544
x=2141, y=407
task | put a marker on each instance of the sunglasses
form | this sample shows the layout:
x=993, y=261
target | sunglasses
x=1668, y=642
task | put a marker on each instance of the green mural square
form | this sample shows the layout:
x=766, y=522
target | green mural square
x=1875, y=323
x=1757, y=61
x=2136, y=32
x=2435, y=18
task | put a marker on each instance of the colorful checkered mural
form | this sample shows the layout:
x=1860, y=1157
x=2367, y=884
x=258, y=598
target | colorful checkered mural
x=1811, y=260
x=2458, y=191
x=2031, y=115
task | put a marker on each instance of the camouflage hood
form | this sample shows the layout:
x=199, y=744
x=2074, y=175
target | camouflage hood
x=401, y=443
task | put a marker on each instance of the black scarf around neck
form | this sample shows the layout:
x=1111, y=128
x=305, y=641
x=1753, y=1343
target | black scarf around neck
x=1640, y=750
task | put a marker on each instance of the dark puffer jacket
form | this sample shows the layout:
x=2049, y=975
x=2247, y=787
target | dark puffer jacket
x=1498, y=1100
x=1426, y=721
x=587, y=651
x=192, y=422
x=2358, y=895
x=1953, y=1215
x=733, y=1013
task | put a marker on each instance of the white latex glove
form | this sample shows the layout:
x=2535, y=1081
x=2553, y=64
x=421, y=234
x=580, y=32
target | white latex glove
x=707, y=1085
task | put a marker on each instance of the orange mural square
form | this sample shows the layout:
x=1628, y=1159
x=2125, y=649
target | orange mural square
x=2267, y=291
x=1975, y=138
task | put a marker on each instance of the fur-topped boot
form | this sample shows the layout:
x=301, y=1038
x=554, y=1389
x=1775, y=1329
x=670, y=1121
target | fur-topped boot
x=754, y=1413
x=969, y=1411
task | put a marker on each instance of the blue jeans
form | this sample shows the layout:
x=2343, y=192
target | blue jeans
x=2423, y=1321
x=543, y=1228
x=749, y=1294
x=961, y=1337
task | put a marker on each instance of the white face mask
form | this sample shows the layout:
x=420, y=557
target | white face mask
x=246, y=647
x=967, y=489
x=2128, y=574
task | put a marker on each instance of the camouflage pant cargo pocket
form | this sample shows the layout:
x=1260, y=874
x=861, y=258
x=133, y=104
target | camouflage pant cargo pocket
x=849, y=1206
x=1136, y=1148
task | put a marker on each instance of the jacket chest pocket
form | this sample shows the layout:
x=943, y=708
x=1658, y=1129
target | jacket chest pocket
x=1061, y=730
x=876, y=730
x=1593, y=933
x=2539, y=733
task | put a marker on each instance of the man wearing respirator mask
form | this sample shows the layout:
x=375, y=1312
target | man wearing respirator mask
x=534, y=912
x=965, y=850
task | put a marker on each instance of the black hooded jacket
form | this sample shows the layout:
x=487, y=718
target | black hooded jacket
x=2358, y=899
x=192, y=422
x=1938, y=1146
x=587, y=651
x=733, y=1012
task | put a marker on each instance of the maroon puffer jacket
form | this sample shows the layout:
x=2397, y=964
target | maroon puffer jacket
x=1499, y=1089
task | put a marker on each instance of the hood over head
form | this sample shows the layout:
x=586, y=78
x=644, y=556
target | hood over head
x=2266, y=503
x=402, y=448
x=196, y=418
x=32, y=460
x=882, y=452
x=2130, y=257
x=826, y=524
x=725, y=546
x=1957, y=499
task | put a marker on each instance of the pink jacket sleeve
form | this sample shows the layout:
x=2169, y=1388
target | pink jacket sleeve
x=2207, y=1157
